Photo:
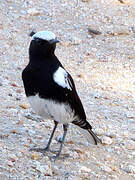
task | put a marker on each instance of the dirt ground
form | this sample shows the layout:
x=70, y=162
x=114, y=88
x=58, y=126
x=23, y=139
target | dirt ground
x=102, y=64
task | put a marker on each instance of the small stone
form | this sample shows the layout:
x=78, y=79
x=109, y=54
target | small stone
x=100, y=117
x=66, y=44
x=96, y=95
x=133, y=153
x=70, y=142
x=108, y=157
x=107, y=140
x=130, y=115
x=106, y=169
x=99, y=131
x=19, y=90
x=45, y=169
x=35, y=156
x=85, y=169
x=129, y=144
x=80, y=76
x=124, y=1
x=11, y=107
x=13, y=158
x=125, y=133
x=130, y=169
x=33, y=12
x=13, y=131
x=14, y=85
x=24, y=106
x=75, y=40
x=110, y=134
x=10, y=163
x=10, y=95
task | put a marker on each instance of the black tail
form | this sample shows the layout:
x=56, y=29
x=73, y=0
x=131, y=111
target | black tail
x=86, y=129
x=95, y=138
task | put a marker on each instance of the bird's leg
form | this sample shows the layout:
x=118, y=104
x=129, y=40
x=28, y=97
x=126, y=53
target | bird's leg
x=65, y=127
x=49, y=142
x=50, y=139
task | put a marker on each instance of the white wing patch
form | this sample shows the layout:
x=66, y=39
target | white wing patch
x=61, y=78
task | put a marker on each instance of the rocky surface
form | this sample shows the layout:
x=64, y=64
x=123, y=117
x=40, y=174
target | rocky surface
x=98, y=48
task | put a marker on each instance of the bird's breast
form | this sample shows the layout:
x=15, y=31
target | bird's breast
x=51, y=109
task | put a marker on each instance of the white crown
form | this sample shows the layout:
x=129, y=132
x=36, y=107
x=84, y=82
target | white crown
x=45, y=35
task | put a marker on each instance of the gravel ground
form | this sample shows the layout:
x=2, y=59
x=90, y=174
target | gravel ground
x=103, y=67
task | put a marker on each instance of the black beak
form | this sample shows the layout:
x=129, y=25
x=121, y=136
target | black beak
x=32, y=33
x=54, y=41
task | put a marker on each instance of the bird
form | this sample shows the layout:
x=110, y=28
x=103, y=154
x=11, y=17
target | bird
x=50, y=89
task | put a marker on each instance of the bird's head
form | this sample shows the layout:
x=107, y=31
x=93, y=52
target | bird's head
x=43, y=43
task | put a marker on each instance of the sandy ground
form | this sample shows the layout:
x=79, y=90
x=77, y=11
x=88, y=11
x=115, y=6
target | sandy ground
x=103, y=67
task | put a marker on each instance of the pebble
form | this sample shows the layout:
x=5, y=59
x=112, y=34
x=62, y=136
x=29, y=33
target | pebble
x=125, y=133
x=33, y=12
x=13, y=157
x=19, y=90
x=108, y=157
x=10, y=163
x=107, y=140
x=133, y=153
x=66, y=43
x=24, y=106
x=45, y=169
x=85, y=169
x=35, y=156
x=110, y=134
x=99, y=131
x=130, y=114
x=97, y=95
x=129, y=144
x=106, y=169
x=75, y=40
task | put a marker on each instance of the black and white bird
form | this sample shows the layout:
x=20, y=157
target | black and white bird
x=50, y=89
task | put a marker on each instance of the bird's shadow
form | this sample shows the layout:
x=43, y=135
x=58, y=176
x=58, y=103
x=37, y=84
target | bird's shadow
x=51, y=157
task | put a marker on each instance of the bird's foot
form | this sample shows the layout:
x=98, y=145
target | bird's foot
x=42, y=150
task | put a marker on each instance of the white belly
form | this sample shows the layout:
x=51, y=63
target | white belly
x=61, y=113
